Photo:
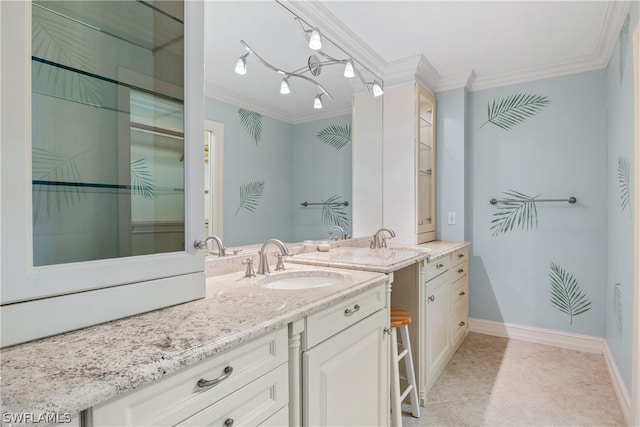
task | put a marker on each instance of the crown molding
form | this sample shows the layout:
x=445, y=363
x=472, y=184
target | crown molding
x=615, y=13
x=413, y=68
x=221, y=94
x=464, y=80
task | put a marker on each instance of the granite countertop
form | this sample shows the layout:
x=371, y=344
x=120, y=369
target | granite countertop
x=70, y=372
x=383, y=260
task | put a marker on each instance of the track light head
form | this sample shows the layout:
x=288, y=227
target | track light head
x=315, y=41
x=377, y=88
x=317, y=102
x=241, y=65
x=348, y=69
x=284, y=86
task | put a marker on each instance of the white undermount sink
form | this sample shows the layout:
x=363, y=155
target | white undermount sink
x=297, y=280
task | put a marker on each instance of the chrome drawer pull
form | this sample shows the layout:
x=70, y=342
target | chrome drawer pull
x=462, y=293
x=439, y=266
x=461, y=270
x=349, y=311
x=460, y=255
x=228, y=422
x=432, y=298
x=208, y=383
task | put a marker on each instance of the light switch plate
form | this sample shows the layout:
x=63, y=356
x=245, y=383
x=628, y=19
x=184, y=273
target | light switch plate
x=452, y=218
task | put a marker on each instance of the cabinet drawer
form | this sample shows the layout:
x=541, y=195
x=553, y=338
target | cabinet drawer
x=459, y=256
x=458, y=271
x=459, y=325
x=249, y=406
x=322, y=325
x=177, y=396
x=279, y=419
x=437, y=267
x=459, y=294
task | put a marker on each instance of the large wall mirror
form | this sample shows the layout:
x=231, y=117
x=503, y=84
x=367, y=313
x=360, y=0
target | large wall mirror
x=279, y=151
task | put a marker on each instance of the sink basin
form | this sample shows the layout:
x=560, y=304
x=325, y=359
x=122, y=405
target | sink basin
x=303, y=280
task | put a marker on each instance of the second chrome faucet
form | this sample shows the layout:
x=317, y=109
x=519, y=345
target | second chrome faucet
x=379, y=240
x=263, y=265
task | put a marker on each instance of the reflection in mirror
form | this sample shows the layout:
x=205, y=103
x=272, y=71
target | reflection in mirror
x=279, y=152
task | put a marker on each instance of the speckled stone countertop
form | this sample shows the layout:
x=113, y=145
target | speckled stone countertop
x=384, y=260
x=76, y=370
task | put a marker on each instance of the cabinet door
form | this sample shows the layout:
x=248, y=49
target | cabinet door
x=437, y=328
x=425, y=165
x=345, y=377
x=102, y=171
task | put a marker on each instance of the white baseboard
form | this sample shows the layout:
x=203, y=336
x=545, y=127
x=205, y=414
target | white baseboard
x=538, y=335
x=618, y=384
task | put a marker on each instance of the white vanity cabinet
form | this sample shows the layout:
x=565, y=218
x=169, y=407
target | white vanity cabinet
x=409, y=162
x=345, y=361
x=248, y=385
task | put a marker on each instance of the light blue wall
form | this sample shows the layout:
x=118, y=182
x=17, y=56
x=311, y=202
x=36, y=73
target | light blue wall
x=319, y=171
x=450, y=152
x=559, y=152
x=245, y=161
x=619, y=279
x=295, y=167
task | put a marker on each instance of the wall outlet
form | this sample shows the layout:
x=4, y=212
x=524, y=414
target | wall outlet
x=452, y=218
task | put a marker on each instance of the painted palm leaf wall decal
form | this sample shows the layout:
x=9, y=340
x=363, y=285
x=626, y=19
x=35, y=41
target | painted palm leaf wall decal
x=509, y=112
x=334, y=213
x=516, y=210
x=142, y=183
x=336, y=136
x=624, y=174
x=566, y=294
x=250, y=195
x=252, y=123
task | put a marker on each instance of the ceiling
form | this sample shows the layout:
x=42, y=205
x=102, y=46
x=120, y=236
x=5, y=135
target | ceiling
x=477, y=44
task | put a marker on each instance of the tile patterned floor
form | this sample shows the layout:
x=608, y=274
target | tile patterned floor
x=493, y=381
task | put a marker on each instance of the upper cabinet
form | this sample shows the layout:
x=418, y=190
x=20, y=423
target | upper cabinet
x=409, y=163
x=425, y=165
x=102, y=124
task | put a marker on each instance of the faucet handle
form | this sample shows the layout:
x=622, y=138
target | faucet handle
x=250, y=271
x=372, y=242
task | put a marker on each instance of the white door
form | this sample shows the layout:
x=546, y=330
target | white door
x=101, y=185
x=437, y=327
x=345, y=377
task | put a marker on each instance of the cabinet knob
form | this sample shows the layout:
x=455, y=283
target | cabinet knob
x=439, y=266
x=462, y=293
x=208, y=383
x=200, y=244
x=350, y=311
x=432, y=298
x=461, y=270
x=462, y=323
x=460, y=255
x=228, y=422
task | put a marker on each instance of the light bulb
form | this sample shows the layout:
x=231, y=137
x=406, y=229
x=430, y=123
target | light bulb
x=377, y=89
x=348, y=69
x=241, y=65
x=317, y=102
x=315, y=41
x=284, y=86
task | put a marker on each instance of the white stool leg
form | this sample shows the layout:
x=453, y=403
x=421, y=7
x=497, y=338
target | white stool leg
x=411, y=375
x=396, y=410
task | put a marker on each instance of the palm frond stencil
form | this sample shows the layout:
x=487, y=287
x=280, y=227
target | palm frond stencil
x=617, y=303
x=515, y=211
x=64, y=44
x=252, y=123
x=142, y=183
x=336, y=136
x=624, y=44
x=334, y=212
x=56, y=175
x=624, y=177
x=250, y=194
x=566, y=294
x=515, y=109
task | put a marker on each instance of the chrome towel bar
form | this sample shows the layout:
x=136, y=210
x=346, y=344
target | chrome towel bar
x=571, y=200
x=325, y=203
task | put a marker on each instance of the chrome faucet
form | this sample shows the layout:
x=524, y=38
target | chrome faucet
x=263, y=265
x=340, y=229
x=222, y=251
x=379, y=240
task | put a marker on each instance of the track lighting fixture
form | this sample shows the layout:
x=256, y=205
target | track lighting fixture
x=284, y=86
x=315, y=42
x=314, y=65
